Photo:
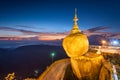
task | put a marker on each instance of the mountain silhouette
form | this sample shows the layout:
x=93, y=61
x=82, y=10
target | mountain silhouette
x=25, y=60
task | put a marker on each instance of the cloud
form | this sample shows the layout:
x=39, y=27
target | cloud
x=18, y=30
x=28, y=34
x=40, y=35
x=24, y=26
x=96, y=29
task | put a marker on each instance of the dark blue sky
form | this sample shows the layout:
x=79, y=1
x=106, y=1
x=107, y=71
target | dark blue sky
x=57, y=15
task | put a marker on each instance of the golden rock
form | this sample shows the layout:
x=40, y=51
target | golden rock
x=75, y=44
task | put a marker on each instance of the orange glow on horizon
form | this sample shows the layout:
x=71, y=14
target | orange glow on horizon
x=46, y=37
x=51, y=37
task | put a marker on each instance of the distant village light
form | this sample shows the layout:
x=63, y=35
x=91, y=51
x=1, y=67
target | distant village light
x=52, y=56
x=36, y=71
x=115, y=42
x=103, y=42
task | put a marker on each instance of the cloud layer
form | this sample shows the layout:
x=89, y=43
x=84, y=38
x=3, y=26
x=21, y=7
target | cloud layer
x=96, y=29
x=52, y=35
x=40, y=35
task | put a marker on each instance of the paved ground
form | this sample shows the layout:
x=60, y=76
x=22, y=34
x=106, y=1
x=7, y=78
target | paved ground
x=55, y=71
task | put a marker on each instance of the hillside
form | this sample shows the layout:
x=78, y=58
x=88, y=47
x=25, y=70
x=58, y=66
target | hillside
x=25, y=60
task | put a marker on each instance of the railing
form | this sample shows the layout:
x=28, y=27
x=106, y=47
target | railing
x=107, y=49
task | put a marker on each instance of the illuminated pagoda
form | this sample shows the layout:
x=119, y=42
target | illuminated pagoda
x=82, y=64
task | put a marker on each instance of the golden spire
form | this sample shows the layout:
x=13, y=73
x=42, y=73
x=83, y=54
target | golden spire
x=75, y=26
x=75, y=17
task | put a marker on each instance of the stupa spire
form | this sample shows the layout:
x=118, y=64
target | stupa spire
x=75, y=28
x=75, y=17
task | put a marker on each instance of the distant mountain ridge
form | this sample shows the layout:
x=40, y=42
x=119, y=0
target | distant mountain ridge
x=25, y=60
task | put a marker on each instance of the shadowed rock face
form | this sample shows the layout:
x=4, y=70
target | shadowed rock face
x=91, y=67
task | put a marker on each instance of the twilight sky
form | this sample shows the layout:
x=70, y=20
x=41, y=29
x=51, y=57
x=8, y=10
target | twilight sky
x=51, y=19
